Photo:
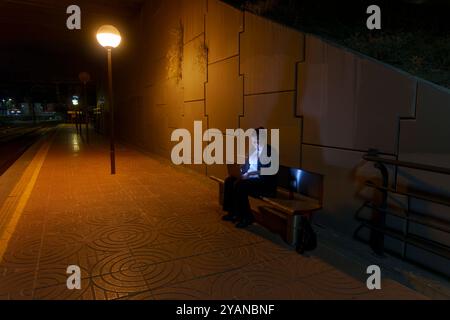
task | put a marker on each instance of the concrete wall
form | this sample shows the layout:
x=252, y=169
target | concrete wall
x=204, y=60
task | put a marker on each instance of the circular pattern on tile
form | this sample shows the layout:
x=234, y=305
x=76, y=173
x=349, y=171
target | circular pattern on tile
x=122, y=237
x=18, y=282
x=125, y=281
x=141, y=296
x=178, y=293
x=163, y=274
x=206, y=230
x=109, y=219
x=136, y=261
x=149, y=256
x=335, y=285
x=22, y=253
x=193, y=247
x=112, y=263
x=179, y=231
x=56, y=275
x=60, y=292
x=224, y=286
x=158, y=267
x=238, y=285
x=169, y=222
x=59, y=248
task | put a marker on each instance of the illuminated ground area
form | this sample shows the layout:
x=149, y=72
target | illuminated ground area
x=151, y=232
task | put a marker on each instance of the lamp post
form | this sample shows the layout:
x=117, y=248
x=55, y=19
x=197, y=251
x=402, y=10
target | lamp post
x=85, y=78
x=75, y=108
x=109, y=37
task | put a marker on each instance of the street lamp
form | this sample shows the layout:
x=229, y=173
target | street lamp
x=109, y=37
x=75, y=104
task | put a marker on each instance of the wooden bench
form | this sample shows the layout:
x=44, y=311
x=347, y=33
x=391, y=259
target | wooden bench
x=282, y=214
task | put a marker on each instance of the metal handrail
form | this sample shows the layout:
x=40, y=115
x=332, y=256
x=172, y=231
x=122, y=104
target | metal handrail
x=413, y=216
x=406, y=164
x=412, y=194
x=378, y=224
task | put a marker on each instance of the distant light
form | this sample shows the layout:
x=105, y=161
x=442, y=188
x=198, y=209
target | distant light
x=108, y=36
x=84, y=77
x=75, y=143
x=75, y=100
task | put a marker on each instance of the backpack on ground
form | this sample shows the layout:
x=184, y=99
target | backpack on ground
x=307, y=238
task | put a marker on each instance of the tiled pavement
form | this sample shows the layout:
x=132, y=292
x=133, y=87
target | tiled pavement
x=153, y=231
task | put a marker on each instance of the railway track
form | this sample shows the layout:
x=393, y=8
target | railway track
x=14, y=141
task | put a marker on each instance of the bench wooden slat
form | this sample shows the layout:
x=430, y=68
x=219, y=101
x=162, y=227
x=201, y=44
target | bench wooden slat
x=217, y=179
x=296, y=206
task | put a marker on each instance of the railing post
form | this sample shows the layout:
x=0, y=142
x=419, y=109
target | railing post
x=406, y=230
x=379, y=216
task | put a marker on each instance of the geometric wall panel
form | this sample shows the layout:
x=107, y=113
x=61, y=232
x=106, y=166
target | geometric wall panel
x=224, y=97
x=194, y=111
x=351, y=102
x=193, y=18
x=156, y=71
x=148, y=134
x=175, y=104
x=161, y=130
x=312, y=80
x=431, y=127
x=269, y=52
x=383, y=95
x=223, y=24
x=159, y=92
x=276, y=111
x=194, y=69
x=326, y=95
x=158, y=40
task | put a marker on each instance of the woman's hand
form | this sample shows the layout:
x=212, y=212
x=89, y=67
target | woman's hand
x=249, y=175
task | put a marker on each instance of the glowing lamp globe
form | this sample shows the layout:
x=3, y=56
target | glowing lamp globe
x=108, y=36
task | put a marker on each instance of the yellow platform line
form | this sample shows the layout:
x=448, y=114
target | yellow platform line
x=15, y=203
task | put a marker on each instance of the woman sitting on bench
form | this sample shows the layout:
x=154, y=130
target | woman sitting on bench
x=249, y=182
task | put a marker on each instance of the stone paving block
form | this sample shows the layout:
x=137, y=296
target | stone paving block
x=16, y=283
x=334, y=285
x=216, y=287
x=124, y=282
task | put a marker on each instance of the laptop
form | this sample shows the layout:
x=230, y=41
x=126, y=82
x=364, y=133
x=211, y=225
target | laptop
x=234, y=170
